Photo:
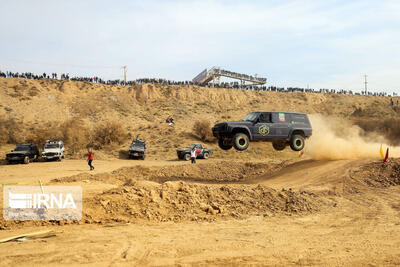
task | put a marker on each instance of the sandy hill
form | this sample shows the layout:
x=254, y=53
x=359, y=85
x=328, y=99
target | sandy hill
x=42, y=104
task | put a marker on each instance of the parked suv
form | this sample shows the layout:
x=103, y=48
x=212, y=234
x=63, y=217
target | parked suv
x=280, y=128
x=23, y=153
x=53, y=150
x=137, y=149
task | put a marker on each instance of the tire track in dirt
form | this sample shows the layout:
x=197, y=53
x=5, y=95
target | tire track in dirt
x=310, y=174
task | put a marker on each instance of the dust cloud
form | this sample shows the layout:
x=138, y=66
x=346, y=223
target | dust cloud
x=335, y=139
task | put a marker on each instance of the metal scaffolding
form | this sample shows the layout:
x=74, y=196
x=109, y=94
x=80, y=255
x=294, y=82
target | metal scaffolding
x=215, y=74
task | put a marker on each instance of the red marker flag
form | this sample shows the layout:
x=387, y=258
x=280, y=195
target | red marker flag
x=386, y=156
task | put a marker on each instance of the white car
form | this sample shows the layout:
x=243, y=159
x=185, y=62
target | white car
x=53, y=150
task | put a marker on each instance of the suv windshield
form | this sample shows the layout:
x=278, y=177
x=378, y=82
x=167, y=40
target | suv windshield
x=51, y=146
x=137, y=143
x=251, y=116
x=22, y=148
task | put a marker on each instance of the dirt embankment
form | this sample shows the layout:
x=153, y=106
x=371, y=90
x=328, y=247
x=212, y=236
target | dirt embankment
x=204, y=172
x=154, y=194
x=30, y=107
x=182, y=201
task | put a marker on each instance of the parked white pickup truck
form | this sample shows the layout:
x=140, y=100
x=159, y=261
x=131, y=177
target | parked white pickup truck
x=53, y=150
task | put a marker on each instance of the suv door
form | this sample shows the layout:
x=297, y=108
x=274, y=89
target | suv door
x=31, y=152
x=281, y=124
x=263, y=129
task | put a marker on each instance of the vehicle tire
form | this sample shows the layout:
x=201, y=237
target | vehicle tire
x=187, y=157
x=26, y=160
x=224, y=145
x=143, y=157
x=241, y=141
x=279, y=145
x=206, y=155
x=297, y=142
x=59, y=159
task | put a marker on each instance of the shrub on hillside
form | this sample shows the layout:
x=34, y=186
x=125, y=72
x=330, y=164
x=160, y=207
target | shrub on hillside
x=75, y=135
x=39, y=134
x=202, y=130
x=10, y=131
x=108, y=133
x=73, y=132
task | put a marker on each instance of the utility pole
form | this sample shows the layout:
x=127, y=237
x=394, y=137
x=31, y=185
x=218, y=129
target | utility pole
x=365, y=84
x=124, y=67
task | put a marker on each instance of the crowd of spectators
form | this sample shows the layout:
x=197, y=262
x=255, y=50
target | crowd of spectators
x=231, y=85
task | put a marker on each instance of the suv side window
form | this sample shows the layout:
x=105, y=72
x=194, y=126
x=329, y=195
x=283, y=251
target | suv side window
x=300, y=118
x=265, y=117
x=280, y=117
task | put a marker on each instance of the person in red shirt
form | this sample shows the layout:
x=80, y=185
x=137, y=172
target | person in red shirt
x=90, y=159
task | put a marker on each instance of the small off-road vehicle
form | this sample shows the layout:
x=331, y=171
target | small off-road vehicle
x=23, y=153
x=280, y=128
x=53, y=150
x=137, y=149
x=201, y=152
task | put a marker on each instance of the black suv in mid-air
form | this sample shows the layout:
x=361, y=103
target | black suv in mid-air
x=23, y=153
x=280, y=128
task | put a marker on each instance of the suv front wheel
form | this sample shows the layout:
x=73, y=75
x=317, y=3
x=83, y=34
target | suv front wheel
x=297, y=142
x=241, y=141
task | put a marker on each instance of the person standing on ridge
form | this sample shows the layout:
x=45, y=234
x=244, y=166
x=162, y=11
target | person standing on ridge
x=90, y=159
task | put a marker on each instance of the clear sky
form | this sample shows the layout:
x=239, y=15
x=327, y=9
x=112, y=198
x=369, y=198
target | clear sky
x=323, y=44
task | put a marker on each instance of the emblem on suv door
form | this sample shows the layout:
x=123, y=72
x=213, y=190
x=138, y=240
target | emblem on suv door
x=263, y=130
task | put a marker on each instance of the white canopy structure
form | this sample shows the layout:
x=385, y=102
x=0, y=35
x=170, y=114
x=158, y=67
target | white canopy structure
x=215, y=74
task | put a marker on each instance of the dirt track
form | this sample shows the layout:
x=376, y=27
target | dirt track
x=354, y=223
x=50, y=170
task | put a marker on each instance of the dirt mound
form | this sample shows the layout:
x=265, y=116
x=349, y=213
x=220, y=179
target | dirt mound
x=179, y=201
x=377, y=174
x=215, y=172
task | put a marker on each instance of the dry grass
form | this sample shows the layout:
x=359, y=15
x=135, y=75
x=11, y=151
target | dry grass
x=73, y=132
x=108, y=133
x=10, y=130
x=75, y=135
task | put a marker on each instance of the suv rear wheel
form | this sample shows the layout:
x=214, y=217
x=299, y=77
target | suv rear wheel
x=223, y=144
x=279, y=145
x=297, y=142
x=206, y=155
x=26, y=160
x=241, y=141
